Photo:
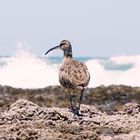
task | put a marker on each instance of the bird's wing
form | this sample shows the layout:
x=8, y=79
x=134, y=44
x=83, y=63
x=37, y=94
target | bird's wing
x=64, y=78
x=79, y=74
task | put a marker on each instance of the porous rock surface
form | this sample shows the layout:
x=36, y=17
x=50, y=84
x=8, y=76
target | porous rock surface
x=25, y=120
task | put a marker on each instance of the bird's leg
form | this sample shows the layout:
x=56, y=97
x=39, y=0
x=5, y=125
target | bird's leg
x=70, y=108
x=81, y=97
x=80, y=100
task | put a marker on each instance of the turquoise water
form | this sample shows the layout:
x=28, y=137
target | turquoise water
x=57, y=60
x=104, y=61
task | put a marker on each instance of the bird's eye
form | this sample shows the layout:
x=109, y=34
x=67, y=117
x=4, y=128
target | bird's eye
x=62, y=44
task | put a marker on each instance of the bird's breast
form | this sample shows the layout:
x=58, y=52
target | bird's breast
x=73, y=74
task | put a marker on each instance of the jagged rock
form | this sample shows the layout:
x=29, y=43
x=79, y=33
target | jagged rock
x=26, y=120
x=109, y=113
x=131, y=108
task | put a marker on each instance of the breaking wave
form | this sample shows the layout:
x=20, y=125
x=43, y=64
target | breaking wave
x=25, y=70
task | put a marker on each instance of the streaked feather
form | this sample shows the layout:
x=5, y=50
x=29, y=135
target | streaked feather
x=73, y=73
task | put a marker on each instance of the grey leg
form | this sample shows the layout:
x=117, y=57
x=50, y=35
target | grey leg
x=81, y=97
x=77, y=109
x=70, y=100
x=70, y=108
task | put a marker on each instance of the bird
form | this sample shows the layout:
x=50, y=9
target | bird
x=72, y=74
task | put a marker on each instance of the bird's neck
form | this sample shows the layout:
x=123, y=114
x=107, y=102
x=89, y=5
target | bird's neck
x=68, y=52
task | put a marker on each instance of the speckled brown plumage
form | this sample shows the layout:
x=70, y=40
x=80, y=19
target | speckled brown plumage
x=72, y=74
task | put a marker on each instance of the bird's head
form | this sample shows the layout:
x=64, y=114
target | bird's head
x=64, y=45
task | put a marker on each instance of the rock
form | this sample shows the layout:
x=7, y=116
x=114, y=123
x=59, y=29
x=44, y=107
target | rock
x=26, y=120
x=109, y=113
x=131, y=108
x=106, y=98
x=135, y=135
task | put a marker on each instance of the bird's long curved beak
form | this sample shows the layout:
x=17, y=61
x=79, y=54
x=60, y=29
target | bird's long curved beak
x=57, y=47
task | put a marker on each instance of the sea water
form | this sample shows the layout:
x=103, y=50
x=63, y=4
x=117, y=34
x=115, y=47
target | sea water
x=25, y=70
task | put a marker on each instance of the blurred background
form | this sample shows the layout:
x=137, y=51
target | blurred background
x=104, y=35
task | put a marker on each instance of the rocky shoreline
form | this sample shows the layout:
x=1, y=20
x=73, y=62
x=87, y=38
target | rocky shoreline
x=109, y=113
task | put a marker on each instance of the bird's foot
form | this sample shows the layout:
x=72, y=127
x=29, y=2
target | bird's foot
x=77, y=114
x=76, y=111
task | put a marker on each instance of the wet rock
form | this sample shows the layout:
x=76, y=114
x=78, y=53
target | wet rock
x=106, y=98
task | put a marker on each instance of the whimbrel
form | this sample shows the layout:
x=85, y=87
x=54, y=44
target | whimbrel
x=72, y=74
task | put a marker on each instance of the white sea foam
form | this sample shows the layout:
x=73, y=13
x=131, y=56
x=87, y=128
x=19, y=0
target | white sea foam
x=100, y=75
x=28, y=71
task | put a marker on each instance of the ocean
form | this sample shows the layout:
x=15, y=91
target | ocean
x=25, y=70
